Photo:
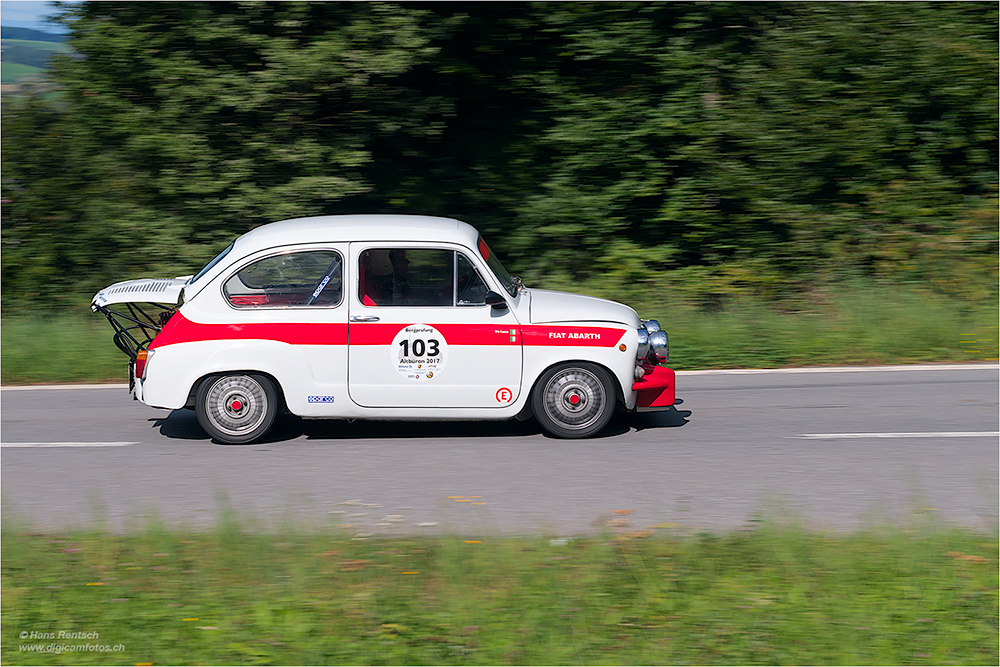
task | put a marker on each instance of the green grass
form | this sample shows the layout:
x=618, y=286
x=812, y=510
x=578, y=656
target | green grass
x=63, y=348
x=844, y=326
x=873, y=325
x=773, y=595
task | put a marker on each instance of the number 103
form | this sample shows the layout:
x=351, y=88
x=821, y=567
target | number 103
x=431, y=347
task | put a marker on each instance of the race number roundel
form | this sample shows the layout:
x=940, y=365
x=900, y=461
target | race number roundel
x=419, y=352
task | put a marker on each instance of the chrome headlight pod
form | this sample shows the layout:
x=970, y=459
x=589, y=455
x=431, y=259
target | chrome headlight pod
x=642, y=344
x=651, y=325
x=660, y=345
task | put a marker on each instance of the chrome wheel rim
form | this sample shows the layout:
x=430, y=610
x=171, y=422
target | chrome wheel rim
x=574, y=398
x=236, y=405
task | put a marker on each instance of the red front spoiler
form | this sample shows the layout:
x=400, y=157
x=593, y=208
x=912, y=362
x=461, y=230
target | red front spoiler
x=656, y=389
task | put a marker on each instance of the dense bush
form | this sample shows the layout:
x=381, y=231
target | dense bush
x=717, y=149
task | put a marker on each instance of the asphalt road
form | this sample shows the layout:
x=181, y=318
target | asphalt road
x=830, y=448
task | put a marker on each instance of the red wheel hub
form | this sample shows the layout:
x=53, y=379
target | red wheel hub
x=236, y=405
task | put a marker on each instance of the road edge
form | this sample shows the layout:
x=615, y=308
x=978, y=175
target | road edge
x=713, y=371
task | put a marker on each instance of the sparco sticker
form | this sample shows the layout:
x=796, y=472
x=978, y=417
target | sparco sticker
x=419, y=352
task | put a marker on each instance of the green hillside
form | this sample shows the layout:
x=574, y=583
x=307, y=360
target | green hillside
x=27, y=34
x=14, y=72
x=24, y=58
x=34, y=44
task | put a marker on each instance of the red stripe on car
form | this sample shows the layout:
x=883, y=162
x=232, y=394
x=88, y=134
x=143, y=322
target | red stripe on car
x=577, y=336
x=476, y=334
x=182, y=330
x=455, y=334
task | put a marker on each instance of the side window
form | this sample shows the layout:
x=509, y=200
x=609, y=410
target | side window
x=296, y=279
x=471, y=289
x=407, y=277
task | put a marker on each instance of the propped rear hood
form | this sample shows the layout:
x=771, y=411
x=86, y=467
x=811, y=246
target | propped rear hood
x=548, y=306
x=143, y=290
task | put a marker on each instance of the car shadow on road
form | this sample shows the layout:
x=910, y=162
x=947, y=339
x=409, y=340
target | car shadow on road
x=180, y=424
x=670, y=418
x=360, y=429
x=642, y=421
x=183, y=425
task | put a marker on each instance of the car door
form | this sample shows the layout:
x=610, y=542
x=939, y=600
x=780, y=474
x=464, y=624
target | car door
x=420, y=334
x=287, y=314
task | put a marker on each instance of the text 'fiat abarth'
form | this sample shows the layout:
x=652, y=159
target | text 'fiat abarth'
x=379, y=317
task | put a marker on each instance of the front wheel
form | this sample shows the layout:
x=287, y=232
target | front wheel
x=574, y=400
x=236, y=409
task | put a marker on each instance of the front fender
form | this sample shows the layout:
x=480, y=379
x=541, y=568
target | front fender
x=547, y=345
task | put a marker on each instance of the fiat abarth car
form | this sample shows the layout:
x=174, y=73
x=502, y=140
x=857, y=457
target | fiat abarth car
x=379, y=317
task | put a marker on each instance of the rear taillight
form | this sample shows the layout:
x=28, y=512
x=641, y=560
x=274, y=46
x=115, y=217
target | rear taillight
x=141, y=359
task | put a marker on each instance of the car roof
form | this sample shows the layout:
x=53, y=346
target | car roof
x=345, y=228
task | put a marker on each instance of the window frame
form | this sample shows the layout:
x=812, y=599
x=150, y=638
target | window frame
x=454, y=275
x=472, y=264
x=285, y=251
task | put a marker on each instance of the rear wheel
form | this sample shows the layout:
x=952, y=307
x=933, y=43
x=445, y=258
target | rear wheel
x=238, y=408
x=574, y=400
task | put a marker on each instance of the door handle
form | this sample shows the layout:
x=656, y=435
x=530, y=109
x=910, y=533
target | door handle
x=364, y=318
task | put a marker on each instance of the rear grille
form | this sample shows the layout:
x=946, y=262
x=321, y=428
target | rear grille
x=151, y=286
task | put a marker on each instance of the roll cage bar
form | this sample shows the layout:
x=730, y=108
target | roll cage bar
x=136, y=328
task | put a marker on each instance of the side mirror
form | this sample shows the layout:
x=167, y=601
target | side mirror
x=495, y=301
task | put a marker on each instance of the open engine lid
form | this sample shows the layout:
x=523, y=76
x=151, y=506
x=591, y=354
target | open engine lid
x=143, y=290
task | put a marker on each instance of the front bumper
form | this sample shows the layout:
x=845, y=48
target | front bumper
x=655, y=389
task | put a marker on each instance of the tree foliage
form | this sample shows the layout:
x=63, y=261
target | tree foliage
x=753, y=145
x=718, y=147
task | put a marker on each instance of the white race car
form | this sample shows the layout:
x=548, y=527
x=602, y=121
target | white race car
x=379, y=317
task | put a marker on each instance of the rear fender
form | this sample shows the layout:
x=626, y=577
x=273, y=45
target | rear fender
x=174, y=371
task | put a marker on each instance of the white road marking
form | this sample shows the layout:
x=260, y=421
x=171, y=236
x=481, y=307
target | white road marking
x=931, y=434
x=67, y=444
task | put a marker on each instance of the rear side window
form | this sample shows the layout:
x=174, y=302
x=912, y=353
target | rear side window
x=291, y=280
x=211, y=265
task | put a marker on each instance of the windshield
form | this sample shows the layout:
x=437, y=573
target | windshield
x=493, y=262
x=208, y=267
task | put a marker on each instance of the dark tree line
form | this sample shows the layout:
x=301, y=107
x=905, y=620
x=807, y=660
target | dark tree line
x=716, y=148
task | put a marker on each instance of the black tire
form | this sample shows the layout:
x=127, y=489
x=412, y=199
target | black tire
x=238, y=408
x=574, y=400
